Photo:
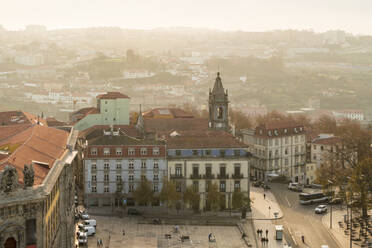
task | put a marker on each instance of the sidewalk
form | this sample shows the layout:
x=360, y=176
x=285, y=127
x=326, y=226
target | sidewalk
x=263, y=209
x=337, y=232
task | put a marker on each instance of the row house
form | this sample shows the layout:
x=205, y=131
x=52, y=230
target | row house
x=198, y=159
x=278, y=148
x=114, y=163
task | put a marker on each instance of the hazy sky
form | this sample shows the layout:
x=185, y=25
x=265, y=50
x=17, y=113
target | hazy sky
x=250, y=15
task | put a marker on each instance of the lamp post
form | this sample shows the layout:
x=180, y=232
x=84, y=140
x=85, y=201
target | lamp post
x=330, y=221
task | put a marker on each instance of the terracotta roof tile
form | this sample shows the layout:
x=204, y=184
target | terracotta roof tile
x=36, y=143
x=327, y=141
x=178, y=124
x=167, y=112
x=112, y=95
x=97, y=131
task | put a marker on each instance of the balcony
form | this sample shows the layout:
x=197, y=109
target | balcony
x=176, y=176
x=225, y=176
x=195, y=176
x=237, y=176
x=208, y=176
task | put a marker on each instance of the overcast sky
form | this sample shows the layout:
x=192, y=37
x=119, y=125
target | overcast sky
x=353, y=16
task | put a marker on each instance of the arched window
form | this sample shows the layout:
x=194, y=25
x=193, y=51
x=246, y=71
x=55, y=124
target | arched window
x=220, y=112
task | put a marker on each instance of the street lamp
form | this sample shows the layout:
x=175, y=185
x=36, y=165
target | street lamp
x=330, y=222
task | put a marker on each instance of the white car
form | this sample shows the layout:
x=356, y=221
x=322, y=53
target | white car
x=82, y=240
x=85, y=216
x=324, y=246
x=321, y=209
x=90, y=230
x=82, y=234
x=91, y=222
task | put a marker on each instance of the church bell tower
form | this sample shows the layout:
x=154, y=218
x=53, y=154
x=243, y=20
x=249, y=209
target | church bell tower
x=218, y=106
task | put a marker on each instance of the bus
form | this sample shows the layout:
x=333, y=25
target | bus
x=310, y=198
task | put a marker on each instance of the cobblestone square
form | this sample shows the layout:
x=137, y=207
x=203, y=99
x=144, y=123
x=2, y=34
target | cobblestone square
x=110, y=230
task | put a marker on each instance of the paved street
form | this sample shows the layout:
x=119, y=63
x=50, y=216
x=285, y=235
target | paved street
x=301, y=220
x=146, y=236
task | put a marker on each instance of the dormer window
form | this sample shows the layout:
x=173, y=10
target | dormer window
x=295, y=129
x=143, y=151
x=93, y=151
x=155, y=151
x=270, y=133
x=106, y=151
x=285, y=130
x=276, y=132
x=300, y=129
x=260, y=131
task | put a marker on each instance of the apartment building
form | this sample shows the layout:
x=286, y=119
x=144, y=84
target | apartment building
x=199, y=159
x=114, y=164
x=277, y=148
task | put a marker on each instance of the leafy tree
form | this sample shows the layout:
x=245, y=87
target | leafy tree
x=240, y=120
x=192, y=198
x=239, y=200
x=214, y=197
x=169, y=193
x=144, y=193
x=325, y=124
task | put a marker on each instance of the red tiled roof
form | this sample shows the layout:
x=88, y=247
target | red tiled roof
x=327, y=141
x=279, y=128
x=8, y=131
x=112, y=95
x=97, y=131
x=19, y=117
x=201, y=139
x=174, y=112
x=86, y=111
x=36, y=143
x=178, y=124
x=53, y=122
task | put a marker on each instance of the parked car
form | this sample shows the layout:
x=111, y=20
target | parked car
x=265, y=186
x=295, y=187
x=82, y=234
x=133, y=211
x=90, y=230
x=321, y=209
x=91, y=222
x=81, y=226
x=82, y=240
x=85, y=216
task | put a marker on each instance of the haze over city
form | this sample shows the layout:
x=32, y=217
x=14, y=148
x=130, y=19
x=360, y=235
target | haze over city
x=175, y=123
x=247, y=15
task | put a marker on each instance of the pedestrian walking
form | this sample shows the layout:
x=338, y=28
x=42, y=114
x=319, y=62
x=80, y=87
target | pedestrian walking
x=264, y=196
x=258, y=232
x=209, y=237
x=303, y=239
x=261, y=232
x=123, y=232
x=267, y=232
x=267, y=241
x=262, y=241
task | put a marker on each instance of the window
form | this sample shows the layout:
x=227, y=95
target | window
x=143, y=151
x=237, y=169
x=222, y=186
x=276, y=152
x=94, y=178
x=131, y=188
x=131, y=164
x=285, y=130
x=236, y=153
x=222, y=153
x=106, y=151
x=195, y=169
x=276, y=162
x=118, y=166
x=286, y=161
x=131, y=151
x=156, y=188
x=156, y=177
x=207, y=186
x=195, y=186
x=178, y=170
x=195, y=152
x=220, y=112
x=143, y=177
x=237, y=185
x=321, y=148
x=118, y=178
x=208, y=170
x=296, y=139
x=156, y=164
x=93, y=151
x=155, y=151
x=208, y=152
x=105, y=110
x=94, y=189
x=131, y=177
x=178, y=188
x=276, y=142
x=106, y=166
x=270, y=154
x=105, y=102
x=106, y=177
x=143, y=164
x=270, y=133
x=119, y=151
x=270, y=142
x=222, y=170
x=178, y=152
x=286, y=140
x=286, y=151
x=314, y=146
x=314, y=157
x=94, y=166
x=107, y=189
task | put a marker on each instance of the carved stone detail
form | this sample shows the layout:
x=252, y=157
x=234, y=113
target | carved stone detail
x=8, y=179
x=28, y=176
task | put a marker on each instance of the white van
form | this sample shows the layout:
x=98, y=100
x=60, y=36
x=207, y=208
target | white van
x=90, y=223
x=90, y=230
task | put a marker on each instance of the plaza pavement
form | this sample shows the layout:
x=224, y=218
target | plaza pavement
x=263, y=209
x=110, y=230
